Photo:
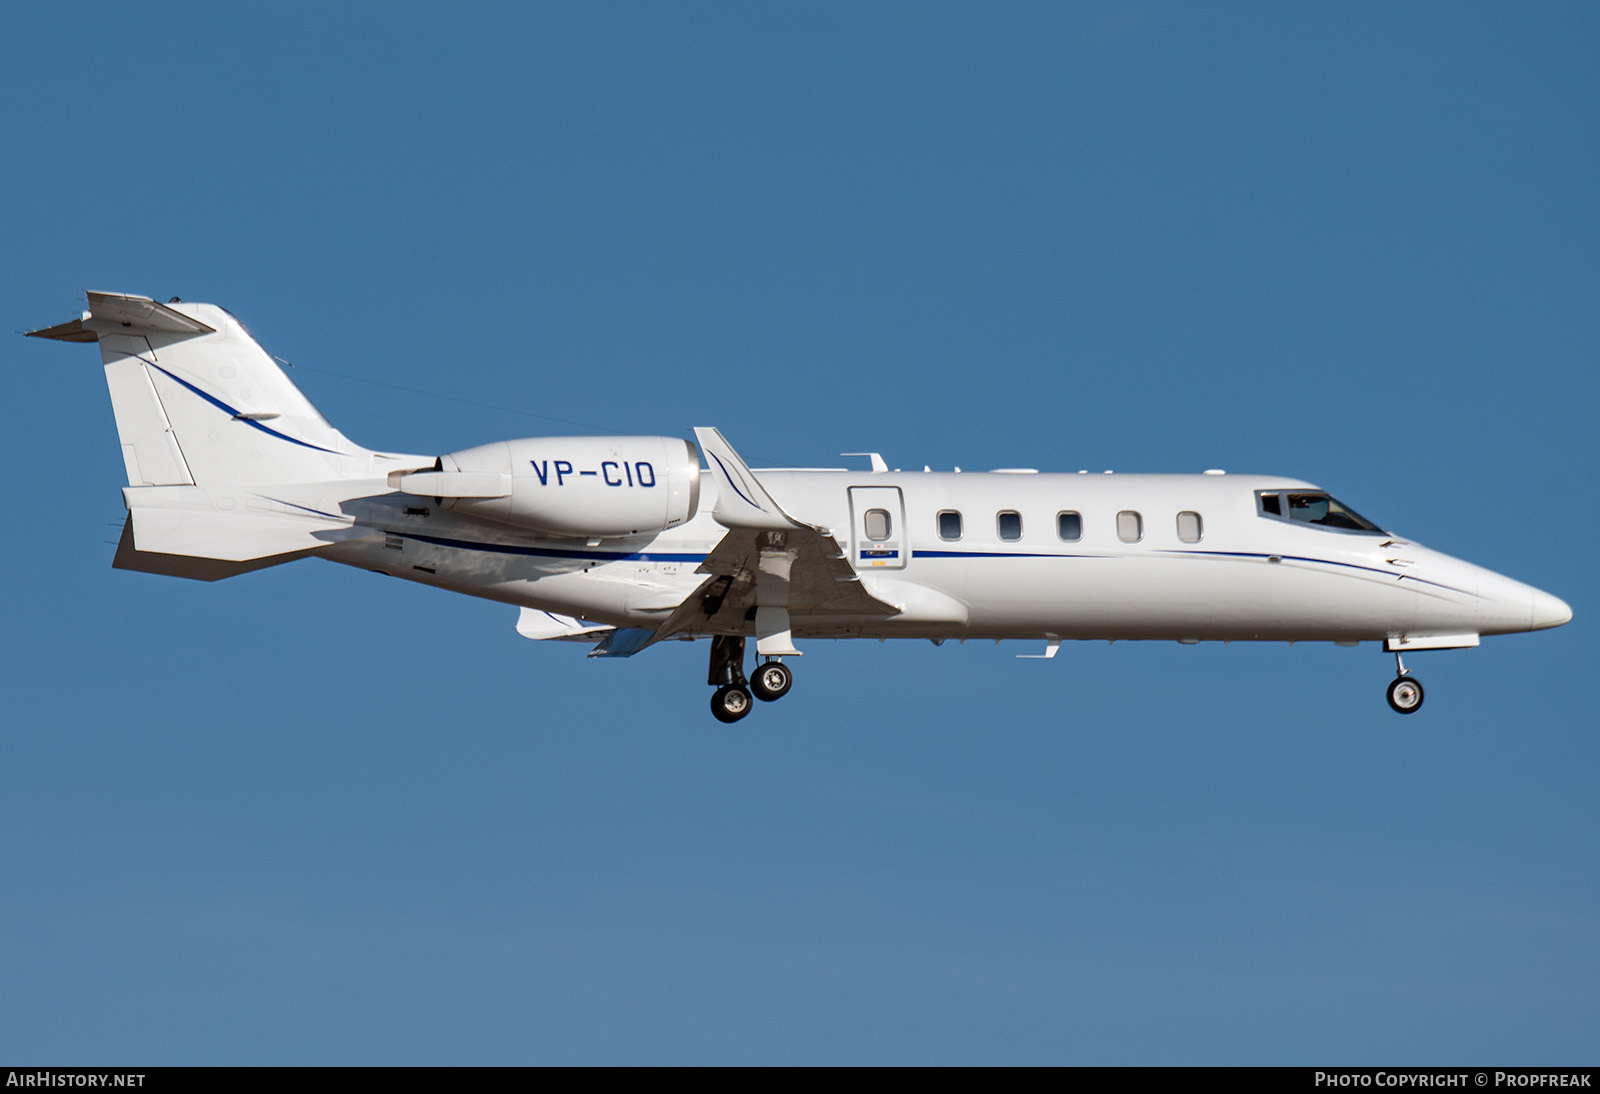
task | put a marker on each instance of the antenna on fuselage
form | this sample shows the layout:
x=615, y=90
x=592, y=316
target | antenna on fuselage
x=878, y=466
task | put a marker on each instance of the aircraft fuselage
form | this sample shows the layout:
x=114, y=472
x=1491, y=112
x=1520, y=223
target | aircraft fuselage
x=983, y=555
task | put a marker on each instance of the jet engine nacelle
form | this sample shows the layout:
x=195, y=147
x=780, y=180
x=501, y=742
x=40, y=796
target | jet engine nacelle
x=591, y=487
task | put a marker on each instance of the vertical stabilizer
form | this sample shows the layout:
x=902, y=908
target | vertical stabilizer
x=198, y=402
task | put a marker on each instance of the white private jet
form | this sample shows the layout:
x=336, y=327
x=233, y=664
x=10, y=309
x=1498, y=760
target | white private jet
x=627, y=541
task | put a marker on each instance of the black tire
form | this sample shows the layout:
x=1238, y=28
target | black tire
x=771, y=681
x=1405, y=695
x=730, y=703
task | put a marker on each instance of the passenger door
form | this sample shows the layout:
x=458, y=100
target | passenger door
x=878, y=523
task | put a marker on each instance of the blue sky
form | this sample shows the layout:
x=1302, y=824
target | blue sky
x=309, y=815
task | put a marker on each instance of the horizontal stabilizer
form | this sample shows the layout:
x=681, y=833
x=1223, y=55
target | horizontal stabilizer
x=129, y=557
x=190, y=520
x=543, y=626
x=72, y=330
x=121, y=313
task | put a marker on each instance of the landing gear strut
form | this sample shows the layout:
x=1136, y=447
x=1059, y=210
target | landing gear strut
x=1405, y=691
x=733, y=698
x=731, y=701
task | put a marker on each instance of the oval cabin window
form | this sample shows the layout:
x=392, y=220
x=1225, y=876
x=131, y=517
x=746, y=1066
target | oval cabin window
x=1189, y=526
x=877, y=524
x=1130, y=526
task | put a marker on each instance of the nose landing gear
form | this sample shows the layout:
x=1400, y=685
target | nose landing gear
x=1405, y=691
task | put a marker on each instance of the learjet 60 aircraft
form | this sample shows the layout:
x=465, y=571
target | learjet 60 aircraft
x=627, y=541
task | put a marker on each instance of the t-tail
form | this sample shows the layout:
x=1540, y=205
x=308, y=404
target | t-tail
x=230, y=468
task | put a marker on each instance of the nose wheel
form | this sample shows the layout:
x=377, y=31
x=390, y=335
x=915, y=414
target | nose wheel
x=1405, y=691
x=1405, y=695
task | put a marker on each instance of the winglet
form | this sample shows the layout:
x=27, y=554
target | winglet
x=742, y=502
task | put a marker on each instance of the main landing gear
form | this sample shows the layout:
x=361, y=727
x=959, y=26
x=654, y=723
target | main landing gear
x=1405, y=691
x=735, y=695
x=772, y=681
x=731, y=702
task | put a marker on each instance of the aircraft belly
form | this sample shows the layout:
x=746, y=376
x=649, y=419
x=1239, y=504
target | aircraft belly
x=622, y=593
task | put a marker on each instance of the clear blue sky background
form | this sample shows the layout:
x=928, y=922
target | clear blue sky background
x=311, y=815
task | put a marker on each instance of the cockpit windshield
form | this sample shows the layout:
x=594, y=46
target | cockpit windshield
x=1313, y=508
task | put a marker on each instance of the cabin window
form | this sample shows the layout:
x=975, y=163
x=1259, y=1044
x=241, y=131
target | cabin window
x=1069, y=526
x=878, y=525
x=949, y=524
x=1130, y=526
x=1010, y=524
x=1189, y=527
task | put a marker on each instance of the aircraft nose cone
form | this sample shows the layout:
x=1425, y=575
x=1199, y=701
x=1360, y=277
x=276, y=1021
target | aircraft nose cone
x=1548, y=611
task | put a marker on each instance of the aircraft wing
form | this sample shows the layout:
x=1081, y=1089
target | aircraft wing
x=768, y=559
x=821, y=579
